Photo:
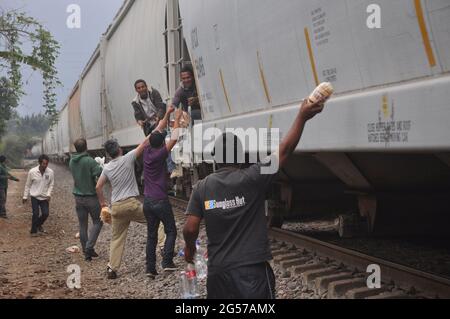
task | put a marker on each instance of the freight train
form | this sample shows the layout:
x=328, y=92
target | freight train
x=381, y=149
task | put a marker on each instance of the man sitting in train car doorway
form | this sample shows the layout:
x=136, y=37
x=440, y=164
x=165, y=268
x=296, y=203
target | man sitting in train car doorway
x=157, y=207
x=232, y=203
x=39, y=186
x=4, y=177
x=186, y=95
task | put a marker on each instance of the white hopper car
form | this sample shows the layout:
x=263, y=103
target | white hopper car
x=381, y=148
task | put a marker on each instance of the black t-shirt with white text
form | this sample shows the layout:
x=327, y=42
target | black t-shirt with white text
x=232, y=202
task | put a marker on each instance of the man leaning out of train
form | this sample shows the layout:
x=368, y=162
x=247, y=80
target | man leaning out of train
x=85, y=171
x=238, y=243
x=148, y=107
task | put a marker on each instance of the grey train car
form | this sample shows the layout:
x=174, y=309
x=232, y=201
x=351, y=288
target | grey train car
x=380, y=151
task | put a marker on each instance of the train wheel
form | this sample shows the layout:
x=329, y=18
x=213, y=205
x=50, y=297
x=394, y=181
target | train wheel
x=275, y=221
x=351, y=226
x=274, y=218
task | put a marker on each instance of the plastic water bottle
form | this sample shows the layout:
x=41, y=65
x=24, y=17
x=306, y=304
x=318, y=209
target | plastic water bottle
x=201, y=262
x=200, y=266
x=189, y=287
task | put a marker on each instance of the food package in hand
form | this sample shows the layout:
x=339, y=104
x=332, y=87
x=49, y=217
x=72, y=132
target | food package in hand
x=185, y=120
x=105, y=215
x=323, y=92
x=100, y=161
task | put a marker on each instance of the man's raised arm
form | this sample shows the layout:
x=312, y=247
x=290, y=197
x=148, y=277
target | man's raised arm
x=307, y=111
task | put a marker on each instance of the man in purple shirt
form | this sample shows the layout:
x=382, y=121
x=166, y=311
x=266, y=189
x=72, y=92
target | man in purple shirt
x=157, y=207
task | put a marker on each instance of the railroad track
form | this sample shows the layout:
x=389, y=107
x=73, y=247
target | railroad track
x=334, y=272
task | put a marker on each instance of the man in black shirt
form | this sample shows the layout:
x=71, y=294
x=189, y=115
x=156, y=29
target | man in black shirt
x=232, y=203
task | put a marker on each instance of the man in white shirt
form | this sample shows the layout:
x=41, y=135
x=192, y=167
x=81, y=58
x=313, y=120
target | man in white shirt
x=39, y=186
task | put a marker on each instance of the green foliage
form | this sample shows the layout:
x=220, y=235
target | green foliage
x=8, y=103
x=17, y=32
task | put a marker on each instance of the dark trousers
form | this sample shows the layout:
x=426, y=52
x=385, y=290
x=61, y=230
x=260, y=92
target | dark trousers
x=40, y=213
x=245, y=282
x=88, y=206
x=2, y=201
x=157, y=211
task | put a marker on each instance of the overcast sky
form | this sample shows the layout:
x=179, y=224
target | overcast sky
x=77, y=45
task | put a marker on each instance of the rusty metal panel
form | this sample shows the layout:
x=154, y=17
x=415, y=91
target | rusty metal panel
x=91, y=105
x=75, y=125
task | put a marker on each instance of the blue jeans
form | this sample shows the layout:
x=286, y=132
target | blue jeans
x=88, y=206
x=157, y=211
x=38, y=219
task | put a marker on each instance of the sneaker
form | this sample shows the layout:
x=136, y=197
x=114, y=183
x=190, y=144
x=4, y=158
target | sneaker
x=169, y=267
x=4, y=216
x=111, y=273
x=42, y=230
x=151, y=274
x=34, y=234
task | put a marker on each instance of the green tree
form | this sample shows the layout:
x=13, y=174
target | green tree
x=8, y=102
x=17, y=33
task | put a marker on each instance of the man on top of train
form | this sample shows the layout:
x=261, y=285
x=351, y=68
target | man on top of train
x=186, y=95
x=232, y=203
x=124, y=196
x=148, y=107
